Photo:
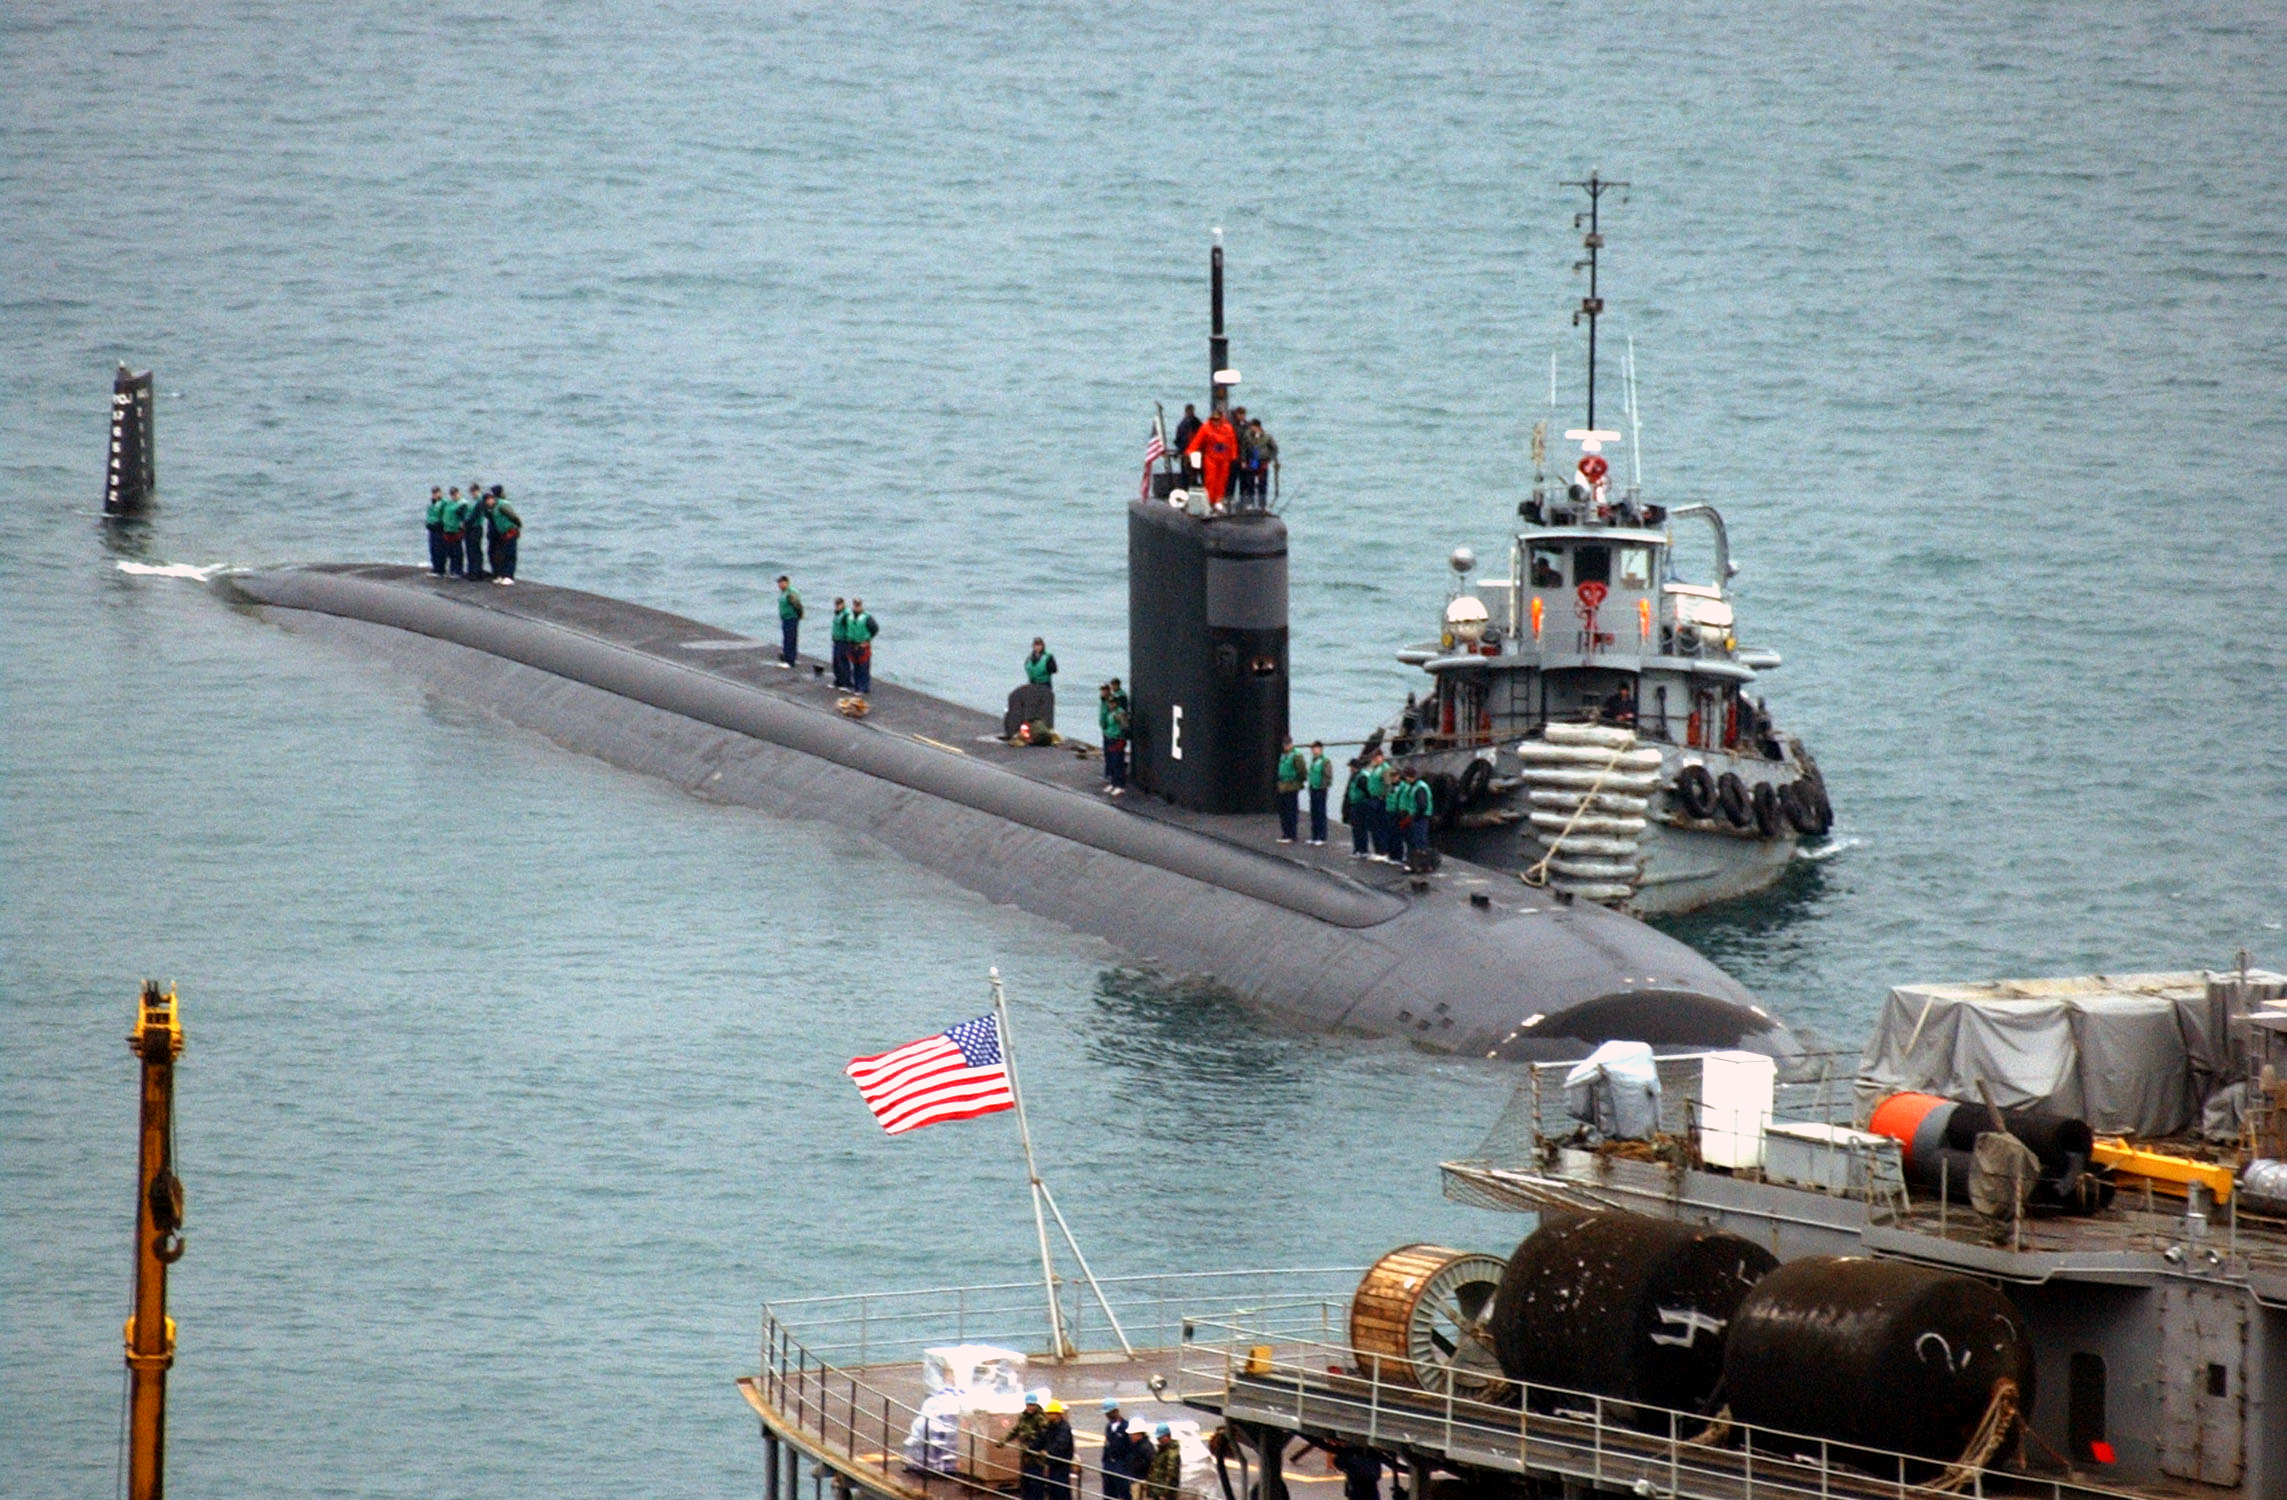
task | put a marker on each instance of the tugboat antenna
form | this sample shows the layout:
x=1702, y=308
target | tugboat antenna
x=1591, y=305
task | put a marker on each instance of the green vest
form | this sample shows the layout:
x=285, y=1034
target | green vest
x=1421, y=801
x=456, y=515
x=1290, y=772
x=1394, y=794
x=789, y=604
x=1371, y=782
x=1112, y=720
x=1321, y=773
x=437, y=511
x=1038, y=669
x=504, y=520
x=862, y=627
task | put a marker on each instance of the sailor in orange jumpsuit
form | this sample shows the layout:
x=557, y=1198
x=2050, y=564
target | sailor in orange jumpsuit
x=1218, y=448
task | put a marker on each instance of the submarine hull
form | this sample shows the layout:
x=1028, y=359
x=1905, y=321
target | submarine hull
x=1516, y=977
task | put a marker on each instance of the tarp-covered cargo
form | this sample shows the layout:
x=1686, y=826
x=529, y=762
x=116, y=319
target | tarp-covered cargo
x=2132, y=1054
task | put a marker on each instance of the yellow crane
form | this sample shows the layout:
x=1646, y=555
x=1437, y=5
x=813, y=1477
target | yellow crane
x=158, y=1040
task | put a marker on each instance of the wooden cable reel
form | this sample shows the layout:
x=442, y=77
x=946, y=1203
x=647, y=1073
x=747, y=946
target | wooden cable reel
x=1423, y=1317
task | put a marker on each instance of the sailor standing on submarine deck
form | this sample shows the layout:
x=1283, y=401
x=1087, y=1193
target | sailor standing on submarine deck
x=841, y=635
x=505, y=526
x=437, y=530
x=472, y=534
x=1318, y=775
x=1040, y=671
x=1112, y=721
x=862, y=633
x=789, y=621
x=1291, y=776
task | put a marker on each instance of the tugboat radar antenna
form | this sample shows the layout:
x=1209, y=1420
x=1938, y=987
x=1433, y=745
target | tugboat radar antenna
x=1591, y=306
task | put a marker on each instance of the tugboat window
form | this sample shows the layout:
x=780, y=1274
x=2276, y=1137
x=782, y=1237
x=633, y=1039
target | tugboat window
x=1548, y=568
x=1635, y=567
x=1591, y=565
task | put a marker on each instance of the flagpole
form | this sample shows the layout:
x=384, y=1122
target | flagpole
x=1032, y=1173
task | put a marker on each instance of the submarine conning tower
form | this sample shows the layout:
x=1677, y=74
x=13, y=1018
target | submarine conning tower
x=1207, y=643
x=1207, y=628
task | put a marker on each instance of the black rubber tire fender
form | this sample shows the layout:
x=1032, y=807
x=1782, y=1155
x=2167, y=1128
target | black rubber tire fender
x=1822, y=811
x=1731, y=800
x=1445, y=793
x=1476, y=781
x=1800, y=805
x=1768, y=818
x=1694, y=791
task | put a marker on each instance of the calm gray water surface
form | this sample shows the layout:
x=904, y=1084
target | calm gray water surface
x=513, y=1083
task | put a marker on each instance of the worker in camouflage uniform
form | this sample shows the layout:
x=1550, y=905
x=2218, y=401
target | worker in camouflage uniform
x=1166, y=1474
x=1030, y=1435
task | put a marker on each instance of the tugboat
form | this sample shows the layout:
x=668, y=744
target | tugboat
x=1591, y=722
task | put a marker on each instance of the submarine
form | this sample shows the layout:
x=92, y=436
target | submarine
x=1183, y=875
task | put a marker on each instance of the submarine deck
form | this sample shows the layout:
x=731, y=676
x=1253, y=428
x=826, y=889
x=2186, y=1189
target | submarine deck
x=917, y=717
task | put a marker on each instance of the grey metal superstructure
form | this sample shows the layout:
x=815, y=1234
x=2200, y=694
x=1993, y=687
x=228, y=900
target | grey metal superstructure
x=2159, y=1322
x=1681, y=794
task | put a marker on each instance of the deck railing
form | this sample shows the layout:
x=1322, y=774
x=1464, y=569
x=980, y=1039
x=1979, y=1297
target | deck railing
x=1272, y=1364
x=822, y=1357
x=1534, y=1142
x=1552, y=1432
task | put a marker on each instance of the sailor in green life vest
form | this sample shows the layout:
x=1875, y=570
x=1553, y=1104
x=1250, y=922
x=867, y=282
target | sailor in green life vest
x=1291, y=776
x=1354, y=806
x=841, y=643
x=1415, y=804
x=789, y=622
x=1318, y=775
x=454, y=519
x=504, y=526
x=437, y=530
x=1112, y=722
x=862, y=631
x=1040, y=672
x=1364, y=806
x=1393, y=827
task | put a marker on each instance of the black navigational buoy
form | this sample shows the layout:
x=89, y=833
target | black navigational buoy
x=133, y=474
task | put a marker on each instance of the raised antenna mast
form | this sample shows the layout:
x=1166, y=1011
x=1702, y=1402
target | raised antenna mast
x=1218, y=347
x=1591, y=306
x=1635, y=420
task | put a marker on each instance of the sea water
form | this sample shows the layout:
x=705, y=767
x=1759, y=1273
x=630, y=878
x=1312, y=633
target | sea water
x=514, y=1081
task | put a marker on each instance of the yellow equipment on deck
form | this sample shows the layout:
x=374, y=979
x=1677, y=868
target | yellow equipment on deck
x=2173, y=1175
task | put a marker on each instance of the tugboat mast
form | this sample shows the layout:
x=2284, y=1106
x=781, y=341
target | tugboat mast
x=150, y=1334
x=1592, y=306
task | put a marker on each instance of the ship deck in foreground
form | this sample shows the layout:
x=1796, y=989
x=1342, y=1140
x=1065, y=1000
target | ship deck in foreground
x=1264, y=1357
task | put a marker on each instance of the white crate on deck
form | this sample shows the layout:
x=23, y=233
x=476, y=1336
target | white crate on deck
x=1735, y=1092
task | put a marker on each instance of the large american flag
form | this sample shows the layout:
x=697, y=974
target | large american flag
x=957, y=1074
